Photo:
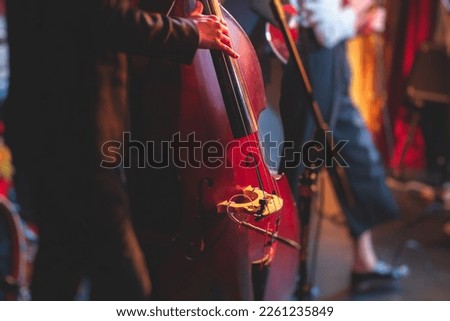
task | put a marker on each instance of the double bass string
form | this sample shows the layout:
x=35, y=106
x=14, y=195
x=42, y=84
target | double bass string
x=233, y=74
x=230, y=68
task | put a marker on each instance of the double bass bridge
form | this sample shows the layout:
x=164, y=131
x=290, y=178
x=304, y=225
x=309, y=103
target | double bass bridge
x=253, y=201
x=259, y=204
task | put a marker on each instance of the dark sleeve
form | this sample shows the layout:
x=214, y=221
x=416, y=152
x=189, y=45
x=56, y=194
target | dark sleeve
x=123, y=27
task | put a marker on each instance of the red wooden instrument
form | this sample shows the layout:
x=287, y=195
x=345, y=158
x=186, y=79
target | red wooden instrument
x=12, y=269
x=239, y=232
x=275, y=37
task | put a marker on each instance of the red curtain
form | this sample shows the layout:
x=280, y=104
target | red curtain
x=415, y=26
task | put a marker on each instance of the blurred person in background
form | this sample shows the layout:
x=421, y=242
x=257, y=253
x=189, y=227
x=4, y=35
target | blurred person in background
x=326, y=25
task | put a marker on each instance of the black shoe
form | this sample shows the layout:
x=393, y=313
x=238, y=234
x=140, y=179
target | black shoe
x=383, y=278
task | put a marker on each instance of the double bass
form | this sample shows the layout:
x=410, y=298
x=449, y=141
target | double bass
x=237, y=236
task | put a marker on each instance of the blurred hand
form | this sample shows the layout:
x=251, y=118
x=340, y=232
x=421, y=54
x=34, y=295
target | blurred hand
x=373, y=21
x=213, y=32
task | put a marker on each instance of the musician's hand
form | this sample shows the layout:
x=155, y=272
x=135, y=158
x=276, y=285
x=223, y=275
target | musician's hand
x=373, y=21
x=376, y=19
x=213, y=32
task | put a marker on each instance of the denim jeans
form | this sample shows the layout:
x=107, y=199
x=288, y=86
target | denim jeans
x=330, y=75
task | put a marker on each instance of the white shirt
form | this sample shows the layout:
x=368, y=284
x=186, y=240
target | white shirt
x=332, y=22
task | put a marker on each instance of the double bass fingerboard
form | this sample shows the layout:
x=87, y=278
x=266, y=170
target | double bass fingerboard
x=237, y=103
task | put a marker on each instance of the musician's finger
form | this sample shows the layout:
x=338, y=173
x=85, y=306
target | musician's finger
x=225, y=30
x=226, y=40
x=227, y=49
x=214, y=18
x=198, y=9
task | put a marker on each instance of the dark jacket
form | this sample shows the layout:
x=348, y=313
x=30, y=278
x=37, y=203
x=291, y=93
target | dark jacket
x=68, y=89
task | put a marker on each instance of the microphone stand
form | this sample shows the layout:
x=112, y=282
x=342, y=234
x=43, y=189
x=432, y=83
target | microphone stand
x=337, y=174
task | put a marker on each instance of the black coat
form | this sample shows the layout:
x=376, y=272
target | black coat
x=68, y=87
x=68, y=95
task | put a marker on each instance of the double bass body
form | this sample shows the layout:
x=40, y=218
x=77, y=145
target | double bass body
x=235, y=235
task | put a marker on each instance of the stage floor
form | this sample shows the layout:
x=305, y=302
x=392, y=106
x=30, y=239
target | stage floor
x=419, y=239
